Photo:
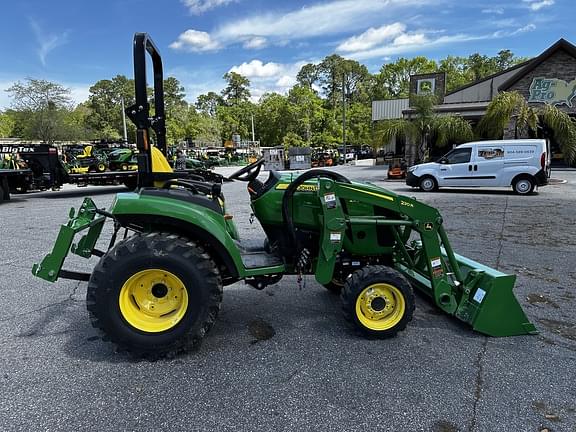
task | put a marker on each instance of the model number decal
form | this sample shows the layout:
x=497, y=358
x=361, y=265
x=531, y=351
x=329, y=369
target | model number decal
x=406, y=203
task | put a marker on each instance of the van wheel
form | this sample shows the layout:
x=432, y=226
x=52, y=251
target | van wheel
x=428, y=184
x=523, y=185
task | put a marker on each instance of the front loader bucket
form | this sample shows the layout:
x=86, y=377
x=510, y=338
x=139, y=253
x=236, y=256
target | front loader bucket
x=488, y=302
x=483, y=298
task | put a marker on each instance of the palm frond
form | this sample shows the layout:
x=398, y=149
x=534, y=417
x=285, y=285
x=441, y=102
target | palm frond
x=452, y=129
x=501, y=110
x=389, y=129
x=564, y=129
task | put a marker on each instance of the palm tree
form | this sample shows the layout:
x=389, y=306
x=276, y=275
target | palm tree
x=448, y=129
x=510, y=107
x=564, y=129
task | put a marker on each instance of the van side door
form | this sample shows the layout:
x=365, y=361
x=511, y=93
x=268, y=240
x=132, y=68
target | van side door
x=488, y=164
x=456, y=168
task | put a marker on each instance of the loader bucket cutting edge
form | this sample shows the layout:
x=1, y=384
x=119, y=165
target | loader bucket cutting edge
x=487, y=300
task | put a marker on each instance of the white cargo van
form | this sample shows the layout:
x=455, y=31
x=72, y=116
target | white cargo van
x=522, y=164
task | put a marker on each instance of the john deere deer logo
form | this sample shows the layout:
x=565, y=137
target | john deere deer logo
x=552, y=91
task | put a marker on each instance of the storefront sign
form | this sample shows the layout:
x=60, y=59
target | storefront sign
x=553, y=91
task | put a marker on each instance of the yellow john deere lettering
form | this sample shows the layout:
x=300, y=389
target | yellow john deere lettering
x=301, y=188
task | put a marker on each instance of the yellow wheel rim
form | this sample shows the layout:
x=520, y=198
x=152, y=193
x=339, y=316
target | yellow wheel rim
x=380, y=306
x=153, y=300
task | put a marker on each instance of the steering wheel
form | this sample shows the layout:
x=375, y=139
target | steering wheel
x=249, y=172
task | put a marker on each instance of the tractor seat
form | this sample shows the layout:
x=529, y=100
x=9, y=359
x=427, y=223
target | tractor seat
x=256, y=188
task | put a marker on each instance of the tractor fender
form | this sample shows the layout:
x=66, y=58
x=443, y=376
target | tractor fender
x=194, y=221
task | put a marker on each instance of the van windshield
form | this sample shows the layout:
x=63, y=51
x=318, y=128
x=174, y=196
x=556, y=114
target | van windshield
x=456, y=156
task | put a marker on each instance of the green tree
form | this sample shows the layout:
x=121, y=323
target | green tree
x=7, y=124
x=208, y=103
x=174, y=96
x=394, y=78
x=44, y=105
x=457, y=72
x=274, y=119
x=331, y=74
x=75, y=125
x=292, y=139
x=237, y=89
x=207, y=129
x=176, y=109
x=358, y=124
x=308, y=75
x=105, y=103
x=236, y=119
x=305, y=107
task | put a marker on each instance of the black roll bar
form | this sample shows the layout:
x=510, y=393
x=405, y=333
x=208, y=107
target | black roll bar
x=139, y=113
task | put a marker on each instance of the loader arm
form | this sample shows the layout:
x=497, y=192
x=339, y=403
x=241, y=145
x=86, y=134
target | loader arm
x=472, y=292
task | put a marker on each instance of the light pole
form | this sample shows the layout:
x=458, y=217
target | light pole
x=344, y=115
x=124, y=122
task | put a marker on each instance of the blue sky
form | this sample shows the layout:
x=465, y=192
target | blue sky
x=77, y=42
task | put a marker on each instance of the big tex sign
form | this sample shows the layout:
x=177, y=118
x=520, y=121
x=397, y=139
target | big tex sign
x=553, y=91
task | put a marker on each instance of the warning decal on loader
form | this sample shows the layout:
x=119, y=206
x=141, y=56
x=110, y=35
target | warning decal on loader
x=436, y=266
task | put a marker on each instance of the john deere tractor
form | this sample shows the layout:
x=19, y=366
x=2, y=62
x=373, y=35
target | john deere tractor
x=157, y=290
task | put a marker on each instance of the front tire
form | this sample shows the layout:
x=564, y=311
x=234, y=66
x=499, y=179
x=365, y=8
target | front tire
x=154, y=295
x=428, y=184
x=378, y=301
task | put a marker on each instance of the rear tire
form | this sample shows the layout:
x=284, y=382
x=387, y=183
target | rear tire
x=524, y=185
x=378, y=301
x=154, y=295
x=428, y=184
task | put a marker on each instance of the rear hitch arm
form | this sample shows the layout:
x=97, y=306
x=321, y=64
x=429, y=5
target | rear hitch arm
x=50, y=268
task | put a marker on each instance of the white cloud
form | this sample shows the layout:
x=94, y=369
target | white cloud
x=257, y=42
x=415, y=41
x=317, y=20
x=5, y=100
x=194, y=40
x=372, y=37
x=258, y=69
x=198, y=7
x=321, y=19
x=536, y=5
x=79, y=92
x=525, y=29
x=410, y=39
x=46, y=42
x=411, y=43
x=496, y=11
x=505, y=22
x=268, y=77
x=286, y=81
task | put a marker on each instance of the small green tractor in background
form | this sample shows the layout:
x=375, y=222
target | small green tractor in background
x=157, y=291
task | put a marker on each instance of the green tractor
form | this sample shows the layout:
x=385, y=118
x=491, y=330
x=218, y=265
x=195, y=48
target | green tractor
x=157, y=291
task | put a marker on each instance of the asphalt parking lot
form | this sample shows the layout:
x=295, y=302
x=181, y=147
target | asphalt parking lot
x=283, y=358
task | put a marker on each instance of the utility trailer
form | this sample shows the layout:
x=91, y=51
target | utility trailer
x=47, y=170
